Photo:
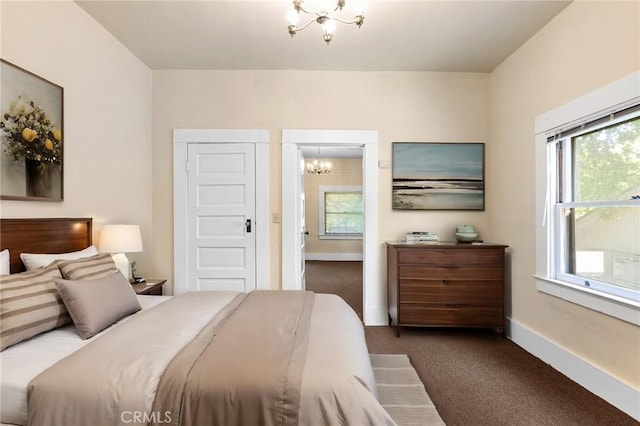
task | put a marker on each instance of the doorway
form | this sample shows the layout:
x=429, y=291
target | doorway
x=334, y=222
x=374, y=293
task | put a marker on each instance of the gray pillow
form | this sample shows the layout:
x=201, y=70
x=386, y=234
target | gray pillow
x=96, y=304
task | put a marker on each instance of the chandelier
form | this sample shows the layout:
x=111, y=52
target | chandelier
x=323, y=15
x=319, y=167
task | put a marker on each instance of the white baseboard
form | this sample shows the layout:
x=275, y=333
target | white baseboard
x=607, y=387
x=333, y=256
x=376, y=315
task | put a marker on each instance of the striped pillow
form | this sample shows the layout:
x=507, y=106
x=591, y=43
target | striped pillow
x=30, y=305
x=98, y=266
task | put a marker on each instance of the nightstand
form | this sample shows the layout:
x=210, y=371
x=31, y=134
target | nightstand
x=150, y=288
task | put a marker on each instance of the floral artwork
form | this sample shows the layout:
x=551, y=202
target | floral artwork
x=31, y=135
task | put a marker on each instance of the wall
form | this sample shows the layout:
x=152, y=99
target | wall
x=346, y=172
x=402, y=106
x=107, y=115
x=588, y=45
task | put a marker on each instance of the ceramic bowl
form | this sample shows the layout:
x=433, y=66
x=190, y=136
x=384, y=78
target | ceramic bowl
x=465, y=229
x=466, y=237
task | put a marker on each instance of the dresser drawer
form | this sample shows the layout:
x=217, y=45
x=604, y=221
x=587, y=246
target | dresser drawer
x=443, y=257
x=449, y=272
x=452, y=291
x=451, y=315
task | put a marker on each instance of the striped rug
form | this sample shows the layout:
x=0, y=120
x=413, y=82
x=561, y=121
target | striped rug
x=402, y=393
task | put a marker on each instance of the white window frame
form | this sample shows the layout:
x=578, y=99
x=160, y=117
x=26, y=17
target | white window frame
x=613, y=97
x=559, y=239
x=322, y=189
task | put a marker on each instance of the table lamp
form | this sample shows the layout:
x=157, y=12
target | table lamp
x=118, y=240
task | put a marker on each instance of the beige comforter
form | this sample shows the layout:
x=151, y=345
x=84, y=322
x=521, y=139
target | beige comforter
x=218, y=358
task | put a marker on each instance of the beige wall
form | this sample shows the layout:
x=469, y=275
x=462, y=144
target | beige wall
x=107, y=115
x=345, y=172
x=589, y=45
x=402, y=106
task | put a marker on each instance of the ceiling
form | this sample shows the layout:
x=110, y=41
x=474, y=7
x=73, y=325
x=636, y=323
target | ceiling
x=397, y=35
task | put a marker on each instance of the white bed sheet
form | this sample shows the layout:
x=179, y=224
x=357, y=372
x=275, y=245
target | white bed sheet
x=20, y=363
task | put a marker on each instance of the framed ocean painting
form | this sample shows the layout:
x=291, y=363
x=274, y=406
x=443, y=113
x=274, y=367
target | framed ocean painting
x=437, y=176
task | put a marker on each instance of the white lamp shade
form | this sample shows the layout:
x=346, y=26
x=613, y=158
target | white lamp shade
x=120, y=239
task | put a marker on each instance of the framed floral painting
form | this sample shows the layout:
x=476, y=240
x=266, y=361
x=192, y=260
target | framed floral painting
x=31, y=135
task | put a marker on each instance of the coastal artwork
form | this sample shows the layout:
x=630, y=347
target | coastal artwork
x=438, y=176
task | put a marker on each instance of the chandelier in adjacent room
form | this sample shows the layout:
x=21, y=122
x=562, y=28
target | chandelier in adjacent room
x=319, y=167
x=325, y=13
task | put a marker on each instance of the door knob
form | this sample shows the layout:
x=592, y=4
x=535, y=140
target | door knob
x=247, y=224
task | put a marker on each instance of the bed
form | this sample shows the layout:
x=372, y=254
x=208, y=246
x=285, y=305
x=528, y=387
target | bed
x=223, y=358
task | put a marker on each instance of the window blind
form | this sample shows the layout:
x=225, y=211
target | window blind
x=595, y=122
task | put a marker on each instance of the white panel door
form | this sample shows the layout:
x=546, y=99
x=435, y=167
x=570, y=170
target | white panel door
x=221, y=217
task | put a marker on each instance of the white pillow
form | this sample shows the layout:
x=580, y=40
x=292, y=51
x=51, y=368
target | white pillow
x=33, y=261
x=5, y=263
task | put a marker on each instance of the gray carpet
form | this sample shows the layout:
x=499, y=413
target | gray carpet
x=401, y=392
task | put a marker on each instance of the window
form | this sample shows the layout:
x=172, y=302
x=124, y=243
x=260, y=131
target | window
x=341, y=212
x=594, y=192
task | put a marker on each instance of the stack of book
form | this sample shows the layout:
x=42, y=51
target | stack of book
x=422, y=237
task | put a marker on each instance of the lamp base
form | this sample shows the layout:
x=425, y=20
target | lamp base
x=123, y=265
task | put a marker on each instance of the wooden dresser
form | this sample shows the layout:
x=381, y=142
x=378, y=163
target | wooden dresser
x=446, y=285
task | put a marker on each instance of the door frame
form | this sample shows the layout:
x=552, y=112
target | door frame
x=374, y=289
x=181, y=140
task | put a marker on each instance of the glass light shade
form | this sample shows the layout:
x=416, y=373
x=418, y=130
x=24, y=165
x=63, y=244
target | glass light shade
x=293, y=17
x=329, y=26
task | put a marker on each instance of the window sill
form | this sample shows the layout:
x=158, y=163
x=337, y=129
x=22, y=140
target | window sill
x=340, y=236
x=624, y=309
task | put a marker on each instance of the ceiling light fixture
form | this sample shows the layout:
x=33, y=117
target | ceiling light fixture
x=324, y=15
x=319, y=167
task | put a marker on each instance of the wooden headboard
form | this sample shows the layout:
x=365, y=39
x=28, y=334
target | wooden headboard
x=50, y=235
